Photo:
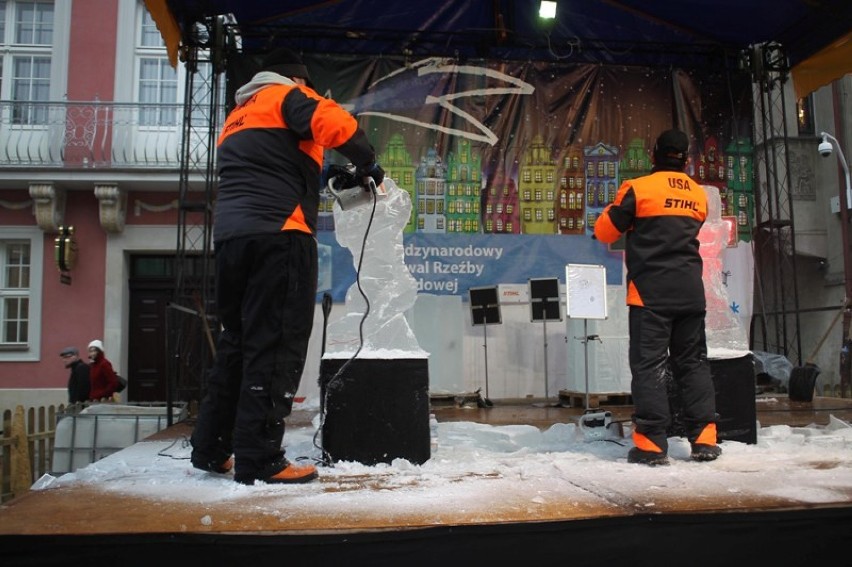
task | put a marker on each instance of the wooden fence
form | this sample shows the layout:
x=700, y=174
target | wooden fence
x=26, y=448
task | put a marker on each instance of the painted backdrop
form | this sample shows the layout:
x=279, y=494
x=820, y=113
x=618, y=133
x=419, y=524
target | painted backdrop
x=509, y=163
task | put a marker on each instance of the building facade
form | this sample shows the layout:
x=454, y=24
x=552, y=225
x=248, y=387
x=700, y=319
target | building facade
x=90, y=130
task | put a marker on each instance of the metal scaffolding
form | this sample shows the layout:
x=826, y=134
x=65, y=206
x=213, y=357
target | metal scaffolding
x=776, y=323
x=191, y=321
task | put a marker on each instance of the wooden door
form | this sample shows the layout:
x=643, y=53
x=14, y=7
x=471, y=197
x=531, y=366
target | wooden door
x=147, y=349
x=154, y=321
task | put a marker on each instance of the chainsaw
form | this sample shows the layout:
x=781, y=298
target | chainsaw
x=351, y=192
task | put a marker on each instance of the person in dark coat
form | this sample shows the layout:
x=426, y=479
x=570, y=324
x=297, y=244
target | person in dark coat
x=270, y=161
x=661, y=214
x=78, y=380
x=103, y=378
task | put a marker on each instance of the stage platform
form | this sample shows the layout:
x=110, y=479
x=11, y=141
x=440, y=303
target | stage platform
x=732, y=511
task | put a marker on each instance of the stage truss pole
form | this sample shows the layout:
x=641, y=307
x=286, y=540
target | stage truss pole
x=485, y=348
x=546, y=390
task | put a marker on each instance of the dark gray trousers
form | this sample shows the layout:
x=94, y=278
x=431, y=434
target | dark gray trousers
x=265, y=293
x=669, y=346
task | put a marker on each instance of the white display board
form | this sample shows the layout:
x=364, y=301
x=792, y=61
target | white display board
x=586, y=291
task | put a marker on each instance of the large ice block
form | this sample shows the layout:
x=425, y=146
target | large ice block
x=725, y=334
x=384, y=289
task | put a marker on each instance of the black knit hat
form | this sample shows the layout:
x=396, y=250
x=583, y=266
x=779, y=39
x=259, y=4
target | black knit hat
x=285, y=62
x=672, y=144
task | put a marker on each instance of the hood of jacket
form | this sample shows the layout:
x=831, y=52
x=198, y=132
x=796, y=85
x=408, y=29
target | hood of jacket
x=260, y=81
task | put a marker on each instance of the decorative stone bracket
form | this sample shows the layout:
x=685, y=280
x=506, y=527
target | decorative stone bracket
x=48, y=206
x=48, y=202
x=113, y=206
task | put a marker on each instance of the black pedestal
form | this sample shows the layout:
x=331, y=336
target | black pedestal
x=376, y=411
x=734, y=381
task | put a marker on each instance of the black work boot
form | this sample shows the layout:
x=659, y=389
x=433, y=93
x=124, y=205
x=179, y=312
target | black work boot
x=703, y=452
x=650, y=458
x=217, y=466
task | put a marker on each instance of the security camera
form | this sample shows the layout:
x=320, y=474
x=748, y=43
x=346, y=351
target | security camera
x=825, y=148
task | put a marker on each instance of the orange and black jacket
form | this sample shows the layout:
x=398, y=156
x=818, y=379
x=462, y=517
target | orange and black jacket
x=661, y=214
x=270, y=155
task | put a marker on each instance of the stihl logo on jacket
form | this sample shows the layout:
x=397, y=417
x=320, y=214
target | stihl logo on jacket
x=681, y=204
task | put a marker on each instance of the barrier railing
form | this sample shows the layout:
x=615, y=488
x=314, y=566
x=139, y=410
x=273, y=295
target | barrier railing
x=59, y=439
x=95, y=135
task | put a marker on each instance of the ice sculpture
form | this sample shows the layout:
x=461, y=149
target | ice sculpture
x=389, y=287
x=724, y=331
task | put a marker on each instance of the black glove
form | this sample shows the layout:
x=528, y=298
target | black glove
x=373, y=170
x=342, y=177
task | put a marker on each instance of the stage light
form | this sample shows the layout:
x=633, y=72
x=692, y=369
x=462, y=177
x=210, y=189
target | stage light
x=547, y=10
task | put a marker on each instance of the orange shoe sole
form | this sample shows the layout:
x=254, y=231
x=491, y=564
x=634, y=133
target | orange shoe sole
x=293, y=474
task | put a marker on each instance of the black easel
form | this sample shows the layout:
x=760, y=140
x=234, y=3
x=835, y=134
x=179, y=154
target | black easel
x=586, y=338
x=585, y=298
x=485, y=310
x=544, y=307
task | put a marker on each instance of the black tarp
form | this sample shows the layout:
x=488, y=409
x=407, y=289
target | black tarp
x=665, y=32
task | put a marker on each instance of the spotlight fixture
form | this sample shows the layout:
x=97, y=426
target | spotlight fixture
x=547, y=10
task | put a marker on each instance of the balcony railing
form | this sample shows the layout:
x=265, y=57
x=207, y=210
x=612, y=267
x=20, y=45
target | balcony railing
x=96, y=134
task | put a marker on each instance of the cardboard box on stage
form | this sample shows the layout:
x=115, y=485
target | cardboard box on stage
x=376, y=411
x=734, y=381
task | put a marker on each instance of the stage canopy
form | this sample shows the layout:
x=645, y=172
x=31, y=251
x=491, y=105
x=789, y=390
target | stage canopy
x=814, y=34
